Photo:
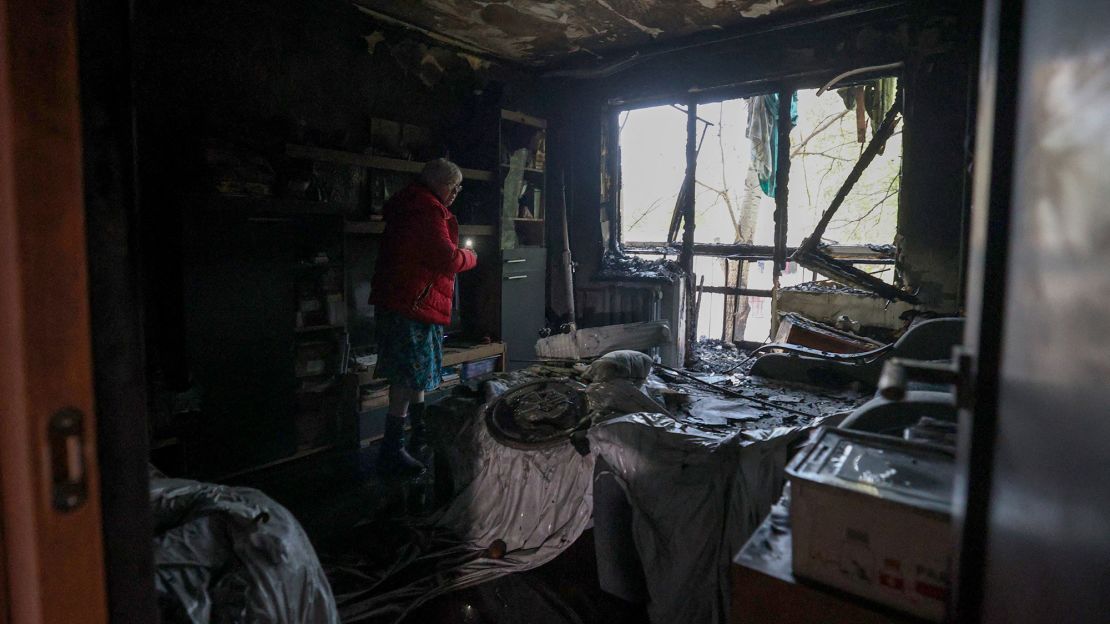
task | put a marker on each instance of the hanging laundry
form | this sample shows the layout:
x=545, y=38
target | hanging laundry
x=762, y=131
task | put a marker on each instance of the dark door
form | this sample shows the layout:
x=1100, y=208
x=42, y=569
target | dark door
x=1036, y=541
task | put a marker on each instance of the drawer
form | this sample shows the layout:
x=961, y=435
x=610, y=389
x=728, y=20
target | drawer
x=523, y=260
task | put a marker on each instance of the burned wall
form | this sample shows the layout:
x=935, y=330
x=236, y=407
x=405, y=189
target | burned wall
x=936, y=41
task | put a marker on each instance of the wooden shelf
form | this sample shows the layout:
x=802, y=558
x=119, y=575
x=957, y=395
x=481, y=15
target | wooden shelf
x=273, y=205
x=455, y=355
x=372, y=162
x=452, y=356
x=523, y=118
x=380, y=398
x=378, y=227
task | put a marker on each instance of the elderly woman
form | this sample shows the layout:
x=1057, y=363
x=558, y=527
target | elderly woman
x=412, y=290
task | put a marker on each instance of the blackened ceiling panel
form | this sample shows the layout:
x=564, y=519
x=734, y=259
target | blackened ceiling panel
x=541, y=32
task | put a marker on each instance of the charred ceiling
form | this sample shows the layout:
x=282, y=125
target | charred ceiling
x=538, y=33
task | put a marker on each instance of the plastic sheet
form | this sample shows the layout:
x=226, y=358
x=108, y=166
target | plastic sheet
x=697, y=493
x=226, y=554
x=537, y=502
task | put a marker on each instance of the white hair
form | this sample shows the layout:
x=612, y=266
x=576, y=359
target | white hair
x=441, y=173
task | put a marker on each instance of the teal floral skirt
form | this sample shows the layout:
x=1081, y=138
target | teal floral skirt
x=410, y=353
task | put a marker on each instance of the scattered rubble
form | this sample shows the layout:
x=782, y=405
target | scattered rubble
x=826, y=287
x=717, y=356
x=621, y=267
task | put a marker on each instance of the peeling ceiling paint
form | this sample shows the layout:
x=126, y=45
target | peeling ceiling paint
x=536, y=32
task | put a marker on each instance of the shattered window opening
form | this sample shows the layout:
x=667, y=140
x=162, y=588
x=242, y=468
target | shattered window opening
x=830, y=134
x=734, y=189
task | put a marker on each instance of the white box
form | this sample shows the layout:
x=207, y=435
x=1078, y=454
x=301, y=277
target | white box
x=871, y=515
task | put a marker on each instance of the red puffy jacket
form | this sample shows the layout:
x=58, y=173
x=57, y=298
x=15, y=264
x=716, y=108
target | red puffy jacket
x=419, y=257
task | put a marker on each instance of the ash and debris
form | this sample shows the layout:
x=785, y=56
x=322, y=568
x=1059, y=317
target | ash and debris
x=801, y=404
x=717, y=356
x=825, y=287
x=720, y=364
x=621, y=267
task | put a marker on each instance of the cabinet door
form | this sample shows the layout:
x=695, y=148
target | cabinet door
x=523, y=302
x=239, y=300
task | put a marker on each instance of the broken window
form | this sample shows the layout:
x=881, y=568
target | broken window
x=831, y=133
x=734, y=193
x=653, y=164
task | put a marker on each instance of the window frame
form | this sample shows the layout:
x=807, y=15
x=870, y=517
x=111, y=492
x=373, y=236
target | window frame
x=779, y=252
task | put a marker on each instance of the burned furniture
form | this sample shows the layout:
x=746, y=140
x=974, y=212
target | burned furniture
x=931, y=339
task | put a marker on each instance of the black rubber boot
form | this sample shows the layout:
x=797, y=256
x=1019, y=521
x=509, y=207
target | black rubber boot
x=418, y=440
x=394, y=459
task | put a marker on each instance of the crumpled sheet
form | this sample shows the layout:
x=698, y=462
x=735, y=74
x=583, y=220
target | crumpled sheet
x=537, y=501
x=697, y=494
x=230, y=554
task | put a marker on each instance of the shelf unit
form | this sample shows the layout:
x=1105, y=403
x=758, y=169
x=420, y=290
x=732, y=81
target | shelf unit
x=247, y=264
x=522, y=276
x=522, y=141
x=451, y=356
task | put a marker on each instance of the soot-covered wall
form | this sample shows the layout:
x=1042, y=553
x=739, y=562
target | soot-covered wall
x=937, y=41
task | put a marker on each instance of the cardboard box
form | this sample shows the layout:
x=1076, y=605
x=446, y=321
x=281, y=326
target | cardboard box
x=871, y=515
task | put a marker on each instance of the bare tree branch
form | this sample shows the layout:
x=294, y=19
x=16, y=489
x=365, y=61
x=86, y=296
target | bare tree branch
x=830, y=120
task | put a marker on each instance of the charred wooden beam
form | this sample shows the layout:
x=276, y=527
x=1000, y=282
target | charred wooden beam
x=686, y=257
x=744, y=251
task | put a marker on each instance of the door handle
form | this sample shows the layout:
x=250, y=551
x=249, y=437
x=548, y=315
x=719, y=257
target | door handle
x=67, y=459
x=516, y=261
x=516, y=277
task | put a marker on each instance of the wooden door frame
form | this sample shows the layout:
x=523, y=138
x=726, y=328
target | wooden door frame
x=54, y=559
